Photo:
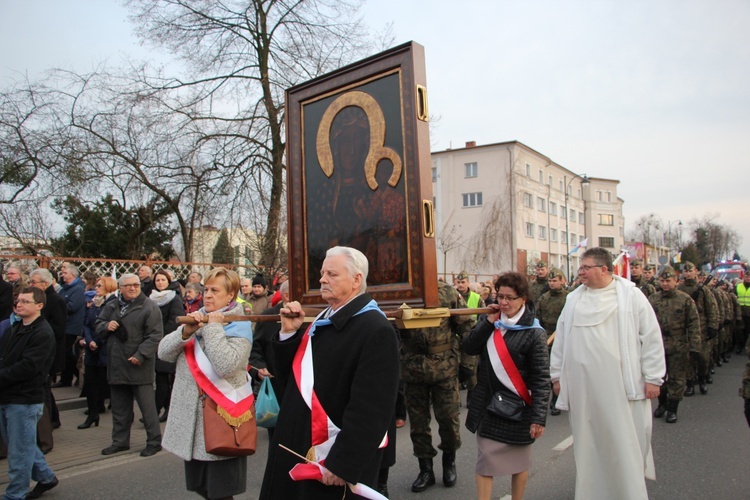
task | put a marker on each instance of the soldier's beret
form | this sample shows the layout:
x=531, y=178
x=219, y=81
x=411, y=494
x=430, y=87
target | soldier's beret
x=463, y=275
x=636, y=263
x=667, y=272
x=649, y=267
x=556, y=273
x=688, y=266
x=541, y=264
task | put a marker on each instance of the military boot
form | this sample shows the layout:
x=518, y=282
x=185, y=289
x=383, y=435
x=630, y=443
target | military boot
x=702, y=385
x=709, y=379
x=662, y=408
x=449, y=468
x=672, y=411
x=690, y=390
x=426, y=476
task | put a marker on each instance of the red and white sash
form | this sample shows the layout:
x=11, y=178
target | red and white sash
x=504, y=367
x=324, y=431
x=235, y=403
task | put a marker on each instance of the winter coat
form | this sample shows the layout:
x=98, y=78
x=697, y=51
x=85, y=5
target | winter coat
x=528, y=348
x=183, y=435
x=99, y=356
x=169, y=313
x=55, y=311
x=138, y=336
x=26, y=354
x=73, y=295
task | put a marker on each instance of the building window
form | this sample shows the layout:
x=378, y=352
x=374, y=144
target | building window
x=563, y=212
x=599, y=196
x=434, y=174
x=528, y=200
x=552, y=234
x=471, y=169
x=542, y=232
x=528, y=170
x=561, y=185
x=581, y=220
x=606, y=242
x=552, y=208
x=609, y=196
x=564, y=236
x=550, y=181
x=580, y=239
x=573, y=239
x=541, y=204
x=541, y=177
x=529, y=229
x=606, y=220
x=572, y=215
x=472, y=199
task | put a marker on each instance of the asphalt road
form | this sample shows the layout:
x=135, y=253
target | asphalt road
x=704, y=455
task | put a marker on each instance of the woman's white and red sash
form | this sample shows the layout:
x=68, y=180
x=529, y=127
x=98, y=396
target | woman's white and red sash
x=324, y=431
x=237, y=403
x=500, y=359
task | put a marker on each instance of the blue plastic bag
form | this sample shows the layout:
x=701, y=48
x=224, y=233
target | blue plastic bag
x=267, y=406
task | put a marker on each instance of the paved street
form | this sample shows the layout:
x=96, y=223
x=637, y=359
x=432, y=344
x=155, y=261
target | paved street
x=704, y=455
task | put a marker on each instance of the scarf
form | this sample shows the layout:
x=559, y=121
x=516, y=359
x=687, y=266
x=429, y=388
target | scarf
x=162, y=298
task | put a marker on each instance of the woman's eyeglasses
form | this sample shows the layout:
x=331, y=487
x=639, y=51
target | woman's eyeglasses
x=506, y=297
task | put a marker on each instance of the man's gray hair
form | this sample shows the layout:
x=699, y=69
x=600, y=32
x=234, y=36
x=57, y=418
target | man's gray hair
x=284, y=287
x=43, y=275
x=601, y=256
x=356, y=263
x=196, y=287
x=126, y=276
x=72, y=269
x=150, y=271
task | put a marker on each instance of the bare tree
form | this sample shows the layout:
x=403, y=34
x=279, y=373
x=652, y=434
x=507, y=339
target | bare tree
x=241, y=56
x=713, y=241
x=491, y=246
x=647, y=229
x=449, y=238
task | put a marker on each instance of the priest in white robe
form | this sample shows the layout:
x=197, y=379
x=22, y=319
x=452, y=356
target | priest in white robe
x=607, y=362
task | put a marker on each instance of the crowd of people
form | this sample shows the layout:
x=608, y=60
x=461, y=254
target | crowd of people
x=599, y=349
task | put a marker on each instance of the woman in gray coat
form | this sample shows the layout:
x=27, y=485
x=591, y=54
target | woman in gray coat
x=227, y=348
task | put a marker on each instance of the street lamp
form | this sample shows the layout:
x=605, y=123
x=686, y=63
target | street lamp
x=584, y=181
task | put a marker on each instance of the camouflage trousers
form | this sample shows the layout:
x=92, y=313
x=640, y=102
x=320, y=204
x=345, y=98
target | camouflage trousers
x=678, y=362
x=445, y=401
x=699, y=361
x=468, y=370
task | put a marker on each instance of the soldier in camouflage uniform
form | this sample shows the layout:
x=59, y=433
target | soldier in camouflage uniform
x=429, y=369
x=636, y=276
x=548, y=309
x=541, y=284
x=709, y=284
x=468, y=366
x=725, y=304
x=709, y=317
x=735, y=323
x=649, y=275
x=681, y=333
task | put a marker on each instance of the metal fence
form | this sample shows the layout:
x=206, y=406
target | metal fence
x=116, y=267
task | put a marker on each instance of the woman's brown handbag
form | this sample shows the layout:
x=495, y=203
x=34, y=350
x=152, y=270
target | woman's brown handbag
x=225, y=435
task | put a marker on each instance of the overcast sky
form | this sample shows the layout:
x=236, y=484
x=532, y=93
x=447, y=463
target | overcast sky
x=653, y=93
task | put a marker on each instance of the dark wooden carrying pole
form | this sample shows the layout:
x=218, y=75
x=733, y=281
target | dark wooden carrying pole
x=312, y=312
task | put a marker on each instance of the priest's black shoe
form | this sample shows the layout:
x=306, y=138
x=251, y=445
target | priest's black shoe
x=449, y=468
x=672, y=411
x=40, y=488
x=662, y=408
x=426, y=477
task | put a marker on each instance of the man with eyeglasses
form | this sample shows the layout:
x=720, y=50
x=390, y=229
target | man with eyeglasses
x=133, y=328
x=27, y=351
x=607, y=362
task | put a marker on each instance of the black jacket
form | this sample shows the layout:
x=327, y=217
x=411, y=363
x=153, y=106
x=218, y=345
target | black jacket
x=6, y=299
x=169, y=313
x=55, y=311
x=262, y=355
x=528, y=348
x=26, y=354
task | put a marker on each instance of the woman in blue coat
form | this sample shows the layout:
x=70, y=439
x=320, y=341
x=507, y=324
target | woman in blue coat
x=95, y=385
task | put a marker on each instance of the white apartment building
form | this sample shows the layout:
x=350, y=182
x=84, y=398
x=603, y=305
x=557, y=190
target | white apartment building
x=505, y=206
